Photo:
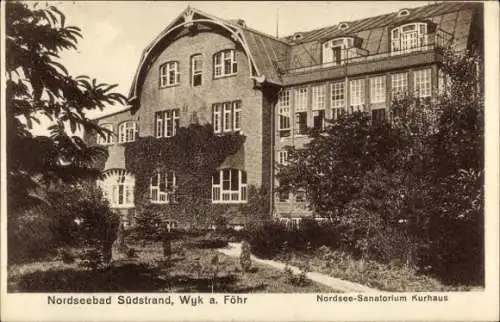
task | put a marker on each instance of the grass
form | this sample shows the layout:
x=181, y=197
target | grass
x=383, y=277
x=190, y=269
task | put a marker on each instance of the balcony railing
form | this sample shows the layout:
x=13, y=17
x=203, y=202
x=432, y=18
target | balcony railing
x=439, y=39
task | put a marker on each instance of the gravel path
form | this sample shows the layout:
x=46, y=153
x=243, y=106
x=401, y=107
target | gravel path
x=234, y=250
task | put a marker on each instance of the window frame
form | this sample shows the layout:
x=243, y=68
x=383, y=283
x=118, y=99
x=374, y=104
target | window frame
x=229, y=195
x=401, y=42
x=398, y=82
x=337, y=104
x=227, y=117
x=109, y=137
x=196, y=72
x=284, y=104
x=357, y=92
x=126, y=129
x=301, y=99
x=165, y=74
x=422, y=77
x=118, y=188
x=378, y=89
x=157, y=195
x=221, y=65
x=168, y=118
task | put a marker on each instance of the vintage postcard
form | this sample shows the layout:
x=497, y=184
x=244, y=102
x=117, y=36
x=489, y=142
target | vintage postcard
x=256, y=161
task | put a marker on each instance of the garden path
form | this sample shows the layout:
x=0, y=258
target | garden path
x=234, y=250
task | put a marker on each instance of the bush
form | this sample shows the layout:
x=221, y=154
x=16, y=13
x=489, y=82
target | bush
x=91, y=259
x=245, y=257
x=66, y=256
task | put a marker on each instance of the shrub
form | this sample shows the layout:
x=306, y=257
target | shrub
x=91, y=259
x=66, y=256
x=131, y=252
x=245, y=257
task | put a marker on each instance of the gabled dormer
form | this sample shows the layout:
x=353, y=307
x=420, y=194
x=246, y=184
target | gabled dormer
x=338, y=50
x=416, y=35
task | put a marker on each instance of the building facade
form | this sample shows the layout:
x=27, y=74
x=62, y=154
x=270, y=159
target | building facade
x=207, y=70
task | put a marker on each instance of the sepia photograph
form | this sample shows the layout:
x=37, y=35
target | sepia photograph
x=160, y=152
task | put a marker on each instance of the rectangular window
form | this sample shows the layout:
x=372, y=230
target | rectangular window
x=232, y=187
x=225, y=63
x=283, y=157
x=399, y=84
x=357, y=92
x=378, y=115
x=284, y=112
x=301, y=99
x=196, y=70
x=236, y=115
x=167, y=123
x=318, y=97
x=338, y=99
x=217, y=118
x=163, y=187
x=227, y=117
x=301, y=123
x=422, y=82
x=377, y=89
x=284, y=196
x=319, y=120
x=169, y=74
x=107, y=137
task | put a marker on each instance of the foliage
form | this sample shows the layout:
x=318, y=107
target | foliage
x=333, y=163
x=38, y=86
x=245, y=257
x=408, y=191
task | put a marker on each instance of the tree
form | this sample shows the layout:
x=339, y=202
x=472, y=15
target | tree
x=38, y=86
x=410, y=189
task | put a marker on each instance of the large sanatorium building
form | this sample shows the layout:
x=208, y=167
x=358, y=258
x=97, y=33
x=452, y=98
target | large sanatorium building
x=224, y=73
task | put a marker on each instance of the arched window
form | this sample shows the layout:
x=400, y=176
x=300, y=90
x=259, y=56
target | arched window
x=409, y=37
x=335, y=51
x=229, y=186
x=163, y=187
x=108, y=137
x=127, y=132
x=118, y=187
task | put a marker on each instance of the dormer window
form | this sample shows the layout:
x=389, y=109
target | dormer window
x=297, y=36
x=403, y=13
x=335, y=51
x=343, y=26
x=408, y=38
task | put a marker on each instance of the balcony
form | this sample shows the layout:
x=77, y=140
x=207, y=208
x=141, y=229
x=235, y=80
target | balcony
x=357, y=61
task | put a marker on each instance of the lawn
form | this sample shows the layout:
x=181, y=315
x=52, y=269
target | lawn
x=190, y=269
x=384, y=277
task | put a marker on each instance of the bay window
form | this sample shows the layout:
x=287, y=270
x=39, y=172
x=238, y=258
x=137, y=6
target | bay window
x=229, y=186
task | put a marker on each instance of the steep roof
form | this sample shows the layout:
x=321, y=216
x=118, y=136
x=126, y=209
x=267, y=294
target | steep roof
x=380, y=21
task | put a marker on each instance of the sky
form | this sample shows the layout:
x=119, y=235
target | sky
x=116, y=32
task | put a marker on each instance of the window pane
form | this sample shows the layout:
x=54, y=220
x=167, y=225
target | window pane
x=216, y=178
x=226, y=179
x=234, y=180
